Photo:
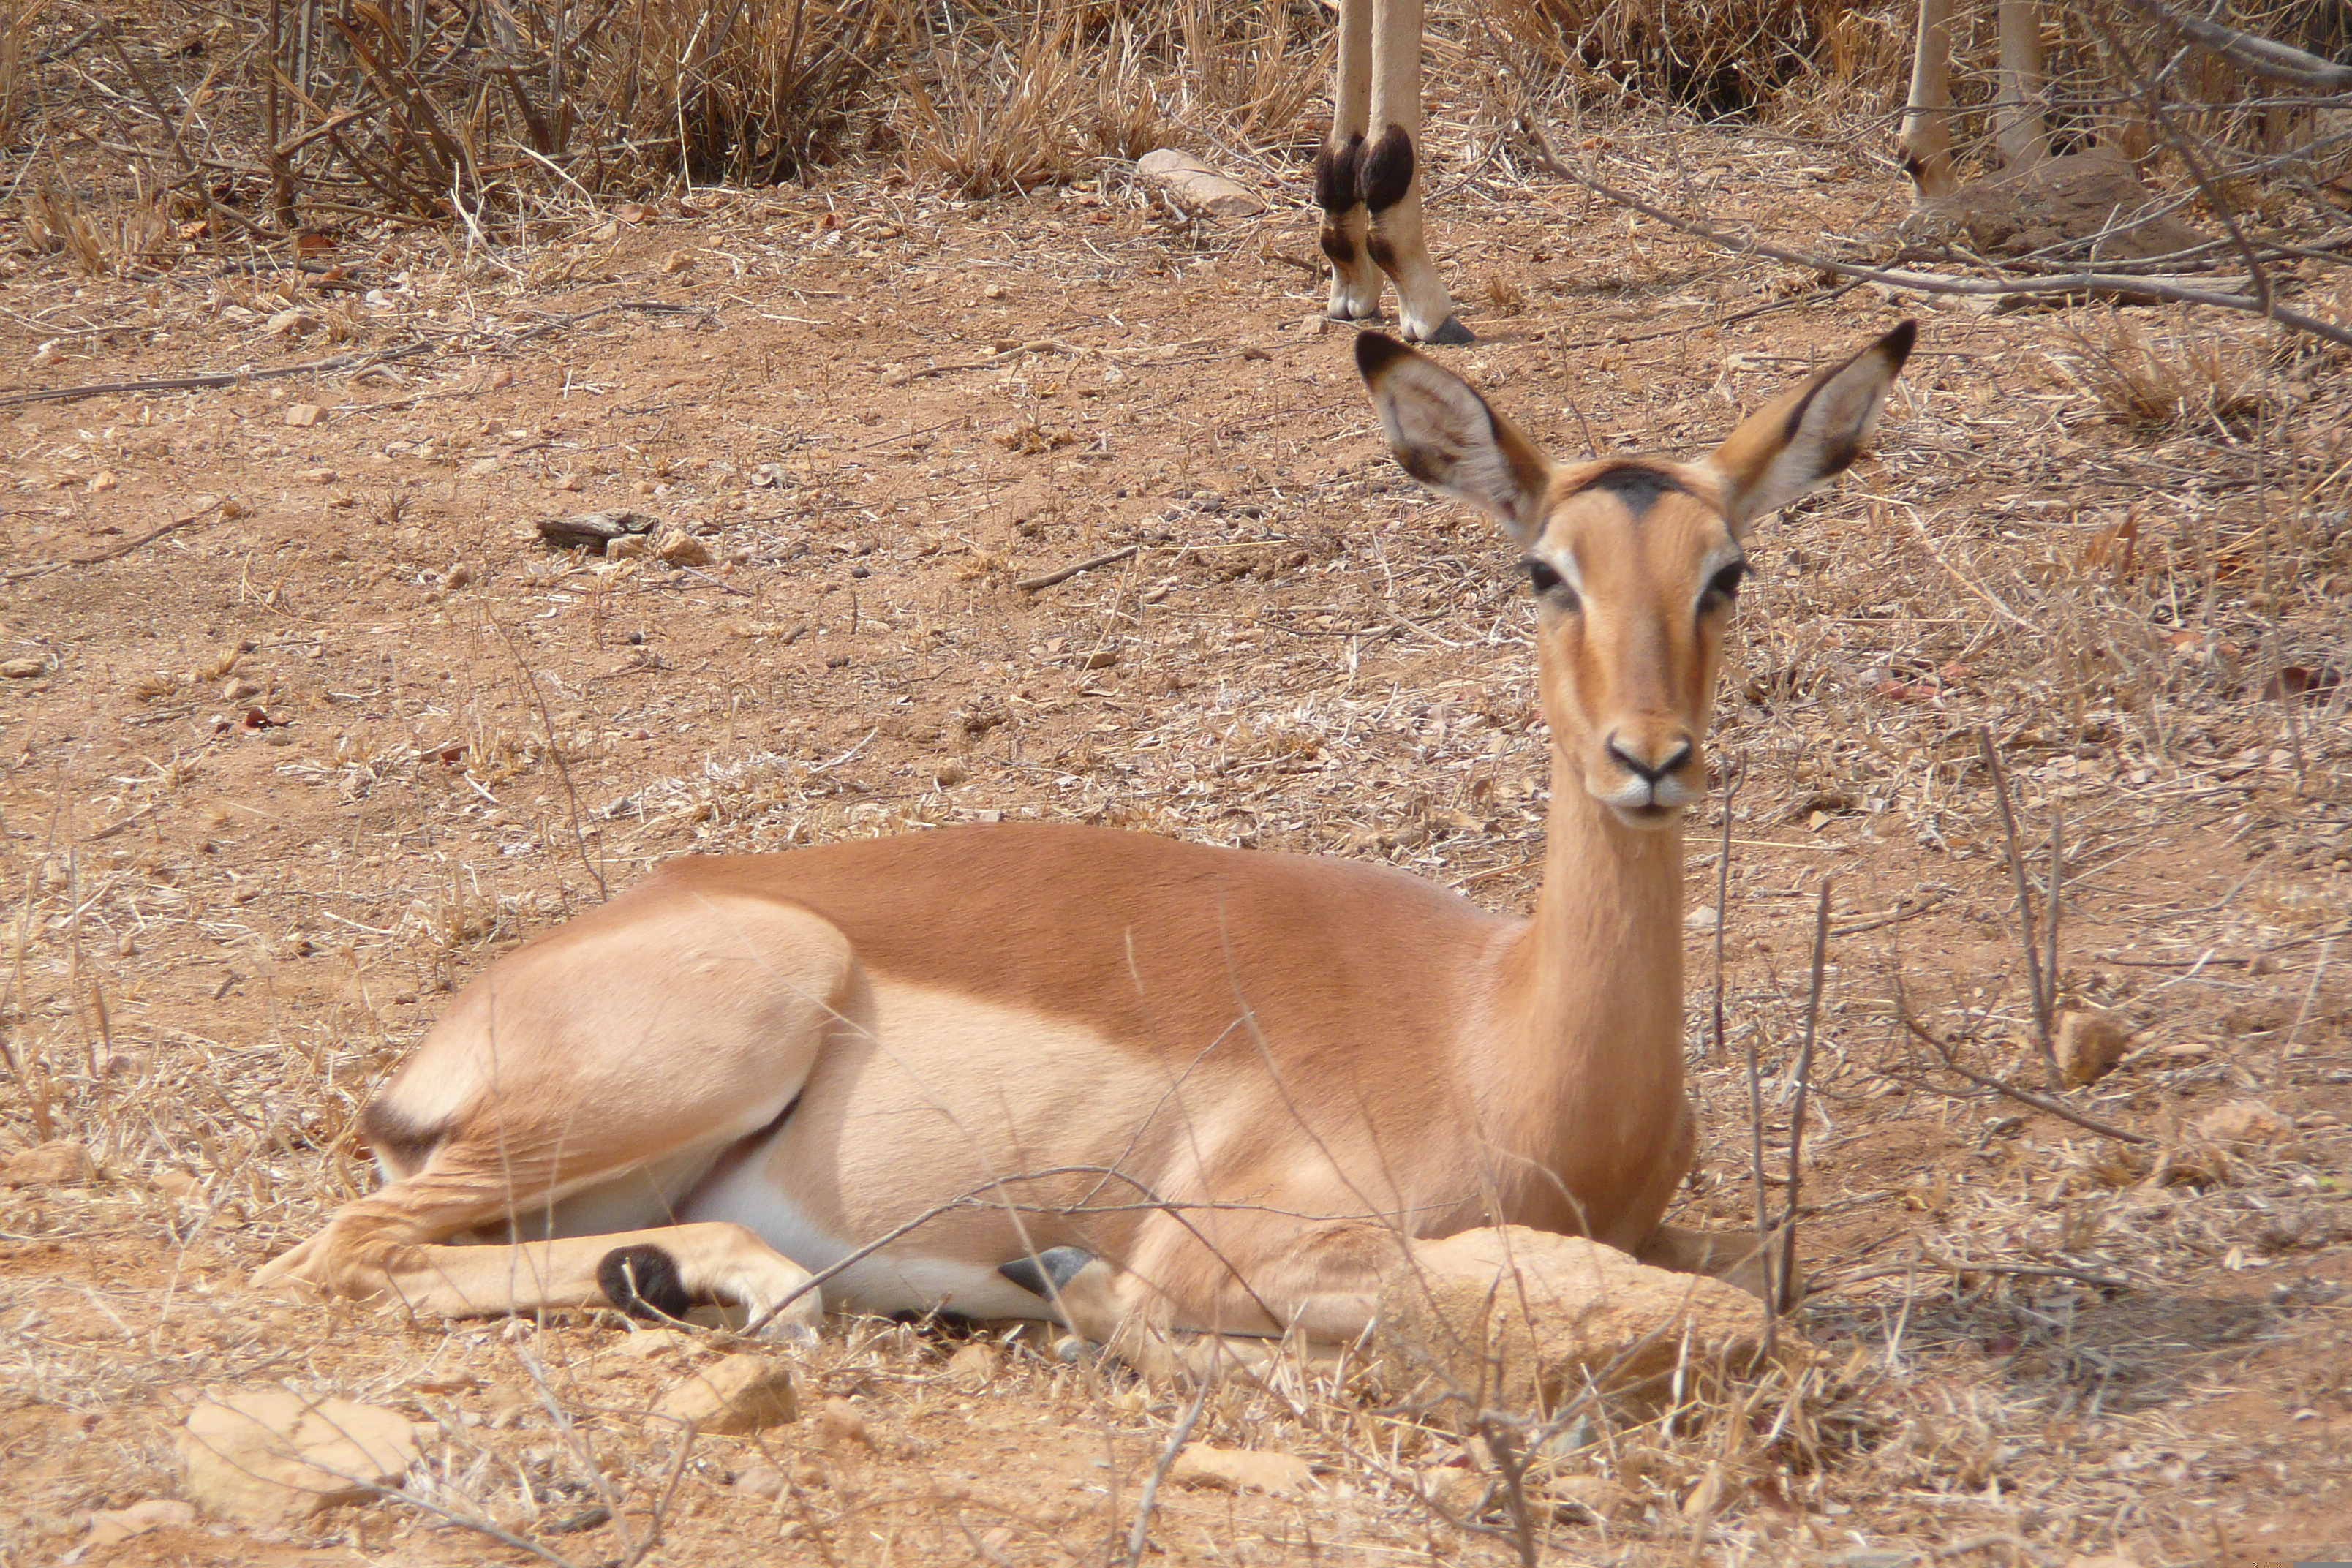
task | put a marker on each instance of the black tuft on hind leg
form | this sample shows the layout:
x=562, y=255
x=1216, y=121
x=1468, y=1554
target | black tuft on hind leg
x=644, y=1282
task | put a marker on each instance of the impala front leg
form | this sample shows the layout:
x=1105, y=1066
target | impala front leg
x=1387, y=178
x=1345, y=237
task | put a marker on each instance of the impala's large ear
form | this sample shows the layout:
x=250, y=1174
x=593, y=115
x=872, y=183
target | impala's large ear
x=1446, y=436
x=1808, y=433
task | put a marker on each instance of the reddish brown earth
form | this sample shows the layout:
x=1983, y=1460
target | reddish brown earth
x=292, y=771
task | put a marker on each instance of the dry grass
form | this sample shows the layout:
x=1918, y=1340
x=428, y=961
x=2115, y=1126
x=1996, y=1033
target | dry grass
x=2073, y=534
x=104, y=235
x=2156, y=379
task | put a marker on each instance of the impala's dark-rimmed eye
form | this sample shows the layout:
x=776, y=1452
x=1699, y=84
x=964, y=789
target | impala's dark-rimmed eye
x=1550, y=585
x=1724, y=586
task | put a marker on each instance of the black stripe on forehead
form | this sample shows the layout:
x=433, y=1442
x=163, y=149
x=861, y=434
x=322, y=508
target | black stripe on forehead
x=1637, y=486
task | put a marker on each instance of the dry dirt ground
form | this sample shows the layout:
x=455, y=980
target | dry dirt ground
x=278, y=779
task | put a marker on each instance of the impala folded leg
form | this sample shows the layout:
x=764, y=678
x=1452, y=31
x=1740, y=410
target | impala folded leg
x=571, y=1100
x=1180, y=1302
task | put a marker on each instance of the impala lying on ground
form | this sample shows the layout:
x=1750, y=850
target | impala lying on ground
x=1109, y=1077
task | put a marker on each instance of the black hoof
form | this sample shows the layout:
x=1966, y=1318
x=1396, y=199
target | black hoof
x=1452, y=333
x=1046, y=1274
x=644, y=1282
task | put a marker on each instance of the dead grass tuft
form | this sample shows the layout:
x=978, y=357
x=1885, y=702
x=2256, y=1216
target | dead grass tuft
x=105, y=237
x=2163, y=379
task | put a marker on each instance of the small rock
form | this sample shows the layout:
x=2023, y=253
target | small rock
x=480, y=466
x=302, y=416
x=318, y=475
x=682, y=550
x=2090, y=1040
x=59, y=1164
x=1454, y=1489
x=1597, y=1497
x=1315, y=325
x=266, y=1457
x=973, y=1367
x=2245, y=1121
x=950, y=774
x=676, y=262
x=103, y=483
x=648, y=1344
x=1240, y=1469
x=764, y=1482
x=502, y=378
x=740, y=1394
x=839, y=1424
x=1701, y=918
x=1102, y=658
x=1196, y=187
x=628, y=547
x=292, y=323
x=457, y=576
x=239, y=688
x=110, y=1525
x=2103, y=1560
x=24, y=669
x=896, y=375
x=596, y=529
x=1523, y=1317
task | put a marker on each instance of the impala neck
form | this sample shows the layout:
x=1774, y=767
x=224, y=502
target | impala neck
x=1590, y=1081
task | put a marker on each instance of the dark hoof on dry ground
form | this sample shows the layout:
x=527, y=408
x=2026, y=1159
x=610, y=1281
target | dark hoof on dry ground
x=1452, y=333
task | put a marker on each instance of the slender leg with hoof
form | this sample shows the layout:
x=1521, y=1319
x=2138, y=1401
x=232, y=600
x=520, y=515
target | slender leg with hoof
x=1356, y=283
x=1926, y=115
x=1387, y=178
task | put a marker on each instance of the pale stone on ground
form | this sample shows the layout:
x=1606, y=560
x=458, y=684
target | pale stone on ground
x=1241, y=1470
x=110, y=1525
x=1597, y=1495
x=1519, y=1318
x=646, y=1343
x=740, y=1394
x=839, y=1424
x=2245, y=1121
x=973, y=1367
x=266, y=1457
x=1195, y=186
x=60, y=1163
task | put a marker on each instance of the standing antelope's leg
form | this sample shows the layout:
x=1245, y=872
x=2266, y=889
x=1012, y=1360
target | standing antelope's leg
x=1387, y=178
x=1356, y=283
x=1926, y=117
x=2023, y=139
x=577, y=1093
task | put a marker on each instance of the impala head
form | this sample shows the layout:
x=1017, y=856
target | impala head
x=1634, y=562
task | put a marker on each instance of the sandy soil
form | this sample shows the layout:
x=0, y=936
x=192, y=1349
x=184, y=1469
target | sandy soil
x=282, y=776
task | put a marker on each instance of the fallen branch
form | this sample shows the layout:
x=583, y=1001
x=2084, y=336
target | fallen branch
x=1787, y=1282
x=2042, y=990
x=119, y=551
x=2251, y=53
x=1031, y=584
x=1928, y=282
x=218, y=378
x=2022, y=1096
x=1138, y=1538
